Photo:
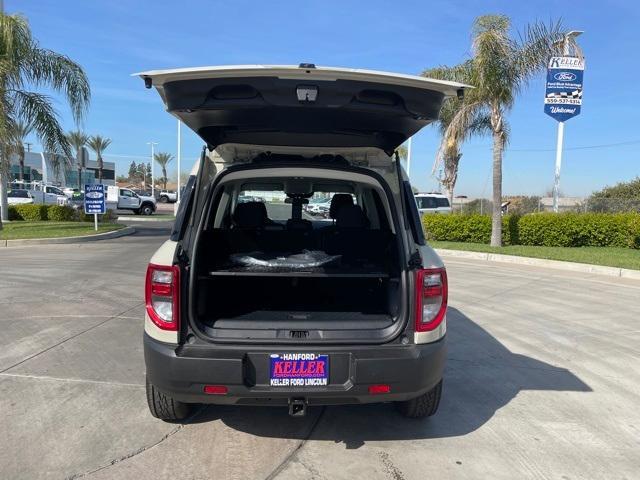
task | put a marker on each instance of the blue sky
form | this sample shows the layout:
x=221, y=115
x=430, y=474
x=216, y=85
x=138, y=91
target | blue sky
x=113, y=39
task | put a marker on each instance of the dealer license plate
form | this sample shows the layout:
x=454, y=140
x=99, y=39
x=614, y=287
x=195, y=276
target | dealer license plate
x=299, y=370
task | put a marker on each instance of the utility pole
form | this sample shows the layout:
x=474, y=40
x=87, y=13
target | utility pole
x=560, y=141
x=28, y=144
x=153, y=176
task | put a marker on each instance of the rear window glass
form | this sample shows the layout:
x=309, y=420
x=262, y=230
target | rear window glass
x=432, y=202
x=279, y=210
x=426, y=202
x=18, y=194
x=274, y=200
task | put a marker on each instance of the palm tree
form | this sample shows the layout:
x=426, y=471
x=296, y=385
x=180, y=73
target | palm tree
x=99, y=144
x=163, y=159
x=477, y=123
x=78, y=140
x=21, y=131
x=23, y=64
x=499, y=69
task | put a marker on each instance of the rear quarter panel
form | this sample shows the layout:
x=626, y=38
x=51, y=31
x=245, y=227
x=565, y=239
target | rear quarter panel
x=163, y=256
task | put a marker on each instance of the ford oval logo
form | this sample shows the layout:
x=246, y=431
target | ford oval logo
x=94, y=195
x=565, y=76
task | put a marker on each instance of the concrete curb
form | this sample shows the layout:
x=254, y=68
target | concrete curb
x=541, y=262
x=62, y=240
x=137, y=218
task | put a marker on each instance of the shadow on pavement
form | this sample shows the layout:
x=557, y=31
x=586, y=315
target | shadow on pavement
x=152, y=229
x=482, y=376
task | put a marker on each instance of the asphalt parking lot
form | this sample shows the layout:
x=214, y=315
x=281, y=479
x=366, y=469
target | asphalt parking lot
x=542, y=381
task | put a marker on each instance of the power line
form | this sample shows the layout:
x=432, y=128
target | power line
x=582, y=147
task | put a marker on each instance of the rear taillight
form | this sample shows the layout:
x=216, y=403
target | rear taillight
x=162, y=295
x=431, y=298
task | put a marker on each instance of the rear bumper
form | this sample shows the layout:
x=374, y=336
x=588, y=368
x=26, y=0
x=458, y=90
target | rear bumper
x=410, y=370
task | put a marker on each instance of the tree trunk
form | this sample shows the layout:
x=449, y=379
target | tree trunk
x=21, y=174
x=496, y=217
x=100, y=167
x=79, y=178
x=164, y=177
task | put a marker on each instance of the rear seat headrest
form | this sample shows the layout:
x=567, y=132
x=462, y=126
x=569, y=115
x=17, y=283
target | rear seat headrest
x=351, y=216
x=338, y=201
x=250, y=215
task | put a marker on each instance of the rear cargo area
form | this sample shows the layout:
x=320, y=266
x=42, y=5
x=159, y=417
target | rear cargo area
x=288, y=278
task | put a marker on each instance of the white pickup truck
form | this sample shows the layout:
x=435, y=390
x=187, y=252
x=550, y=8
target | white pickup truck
x=48, y=195
x=126, y=199
x=167, y=196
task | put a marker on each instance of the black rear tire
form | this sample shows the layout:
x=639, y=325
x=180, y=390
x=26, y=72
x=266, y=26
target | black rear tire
x=146, y=209
x=164, y=407
x=163, y=199
x=425, y=405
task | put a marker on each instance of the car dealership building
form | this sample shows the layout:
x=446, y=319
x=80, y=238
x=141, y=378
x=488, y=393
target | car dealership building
x=51, y=169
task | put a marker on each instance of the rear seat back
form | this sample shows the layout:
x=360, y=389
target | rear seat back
x=352, y=238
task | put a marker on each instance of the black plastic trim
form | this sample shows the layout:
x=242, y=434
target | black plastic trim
x=182, y=372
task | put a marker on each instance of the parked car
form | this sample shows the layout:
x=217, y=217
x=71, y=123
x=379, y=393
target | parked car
x=167, y=196
x=432, y=203
x=19, y=197
x=247, y=309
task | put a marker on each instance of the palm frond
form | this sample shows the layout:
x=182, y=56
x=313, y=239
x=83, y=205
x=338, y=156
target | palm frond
x=37, y=109
x=59, y=72
x=98, y=144
x=458, y=129
x=163, y=158
x=535, y=46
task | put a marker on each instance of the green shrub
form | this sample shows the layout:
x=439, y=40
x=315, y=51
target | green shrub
x=580, y=229
x=541, y=229
x=60, y=213
x=468, y=228
x=108, y=217
x=13, y=213
x=30, y=212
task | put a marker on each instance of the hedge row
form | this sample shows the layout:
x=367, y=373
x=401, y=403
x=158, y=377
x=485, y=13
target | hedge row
x=472, y=228
x=545, y=229
x=54, y=213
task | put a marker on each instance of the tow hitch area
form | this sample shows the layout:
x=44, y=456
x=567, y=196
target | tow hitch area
x=297, y=407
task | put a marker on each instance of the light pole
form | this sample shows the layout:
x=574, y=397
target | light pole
x=179, y=157
x=556, y=181
x=153, y=177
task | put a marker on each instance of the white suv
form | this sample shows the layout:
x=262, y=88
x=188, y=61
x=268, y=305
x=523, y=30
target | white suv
x=432, y=203
x=252, y=302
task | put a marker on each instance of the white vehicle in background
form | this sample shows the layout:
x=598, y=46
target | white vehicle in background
x=318, y=206
x=48, y=195
x=432, y=203
x=19, y=197
x=126, y=199
x=167, y=196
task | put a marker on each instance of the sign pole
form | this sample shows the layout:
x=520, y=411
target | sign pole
x=556, y=182
x=95, y=221
x=563, y=98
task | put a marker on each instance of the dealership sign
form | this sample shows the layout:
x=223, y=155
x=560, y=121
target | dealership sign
x=563, y=95
x=94, y=201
